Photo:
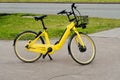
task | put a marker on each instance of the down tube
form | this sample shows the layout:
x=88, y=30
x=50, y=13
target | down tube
x=62, y=40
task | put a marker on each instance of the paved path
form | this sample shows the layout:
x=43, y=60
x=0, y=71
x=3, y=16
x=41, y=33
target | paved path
x=106, y=65
x=93, y=10
x=114, y=33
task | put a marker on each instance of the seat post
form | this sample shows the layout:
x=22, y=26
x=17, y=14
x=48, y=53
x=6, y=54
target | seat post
x=43, y=24
x=41, y=18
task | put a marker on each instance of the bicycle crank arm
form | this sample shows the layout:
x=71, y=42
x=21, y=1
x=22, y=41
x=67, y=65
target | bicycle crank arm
x=49, y=50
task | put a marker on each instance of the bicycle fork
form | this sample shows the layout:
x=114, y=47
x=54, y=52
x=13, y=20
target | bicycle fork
x=79, y=41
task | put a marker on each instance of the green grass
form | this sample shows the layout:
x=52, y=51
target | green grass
x=59, y=0
x=12, y=24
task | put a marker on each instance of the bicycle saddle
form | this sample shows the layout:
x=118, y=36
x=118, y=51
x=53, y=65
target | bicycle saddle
x=40, y=17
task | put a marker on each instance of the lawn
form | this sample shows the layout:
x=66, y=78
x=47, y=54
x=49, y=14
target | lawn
x=12, y=24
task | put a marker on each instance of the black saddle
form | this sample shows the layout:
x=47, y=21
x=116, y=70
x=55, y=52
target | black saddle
x=40, y=17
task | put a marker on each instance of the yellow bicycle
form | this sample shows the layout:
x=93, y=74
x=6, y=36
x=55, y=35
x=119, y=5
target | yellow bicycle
x=29, y=46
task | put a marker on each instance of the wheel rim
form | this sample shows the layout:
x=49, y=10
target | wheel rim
x=84, y=57
x=20, y=50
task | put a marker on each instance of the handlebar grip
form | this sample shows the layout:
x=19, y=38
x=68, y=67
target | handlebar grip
x=73, y=5
x=62, y=12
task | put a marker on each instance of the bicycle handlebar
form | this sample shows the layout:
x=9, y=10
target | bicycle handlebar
x=73, y=6
x=62, y=12
x=75, y=17
x=69, y=13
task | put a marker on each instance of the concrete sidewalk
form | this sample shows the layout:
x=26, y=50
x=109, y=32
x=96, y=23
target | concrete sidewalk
x=114, y=33
x=106, y=65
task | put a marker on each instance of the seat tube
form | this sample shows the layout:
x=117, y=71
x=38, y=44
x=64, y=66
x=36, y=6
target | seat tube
x=46, y=38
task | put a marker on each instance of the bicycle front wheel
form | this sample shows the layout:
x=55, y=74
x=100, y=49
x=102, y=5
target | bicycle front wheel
x=19, y=46
x=78, y=53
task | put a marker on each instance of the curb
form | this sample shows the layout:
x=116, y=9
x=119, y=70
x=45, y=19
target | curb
x=69, y=2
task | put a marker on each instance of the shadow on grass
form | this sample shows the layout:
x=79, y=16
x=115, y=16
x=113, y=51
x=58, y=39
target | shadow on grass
x=5, y=14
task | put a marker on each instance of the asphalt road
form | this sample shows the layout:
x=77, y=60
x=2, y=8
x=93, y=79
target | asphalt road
x=106, y=65
x=93, y=10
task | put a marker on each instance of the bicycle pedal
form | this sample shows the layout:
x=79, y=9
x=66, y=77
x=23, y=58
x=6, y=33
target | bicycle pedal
x=44, y=56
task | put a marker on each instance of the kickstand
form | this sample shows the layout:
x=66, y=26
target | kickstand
x=48, y=56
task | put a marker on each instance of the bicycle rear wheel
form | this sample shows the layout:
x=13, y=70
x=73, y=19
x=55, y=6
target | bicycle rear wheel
x=78, y=53
x=19, y=46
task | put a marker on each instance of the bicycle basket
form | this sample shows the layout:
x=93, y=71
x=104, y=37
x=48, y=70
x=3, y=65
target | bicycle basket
x=82, y=21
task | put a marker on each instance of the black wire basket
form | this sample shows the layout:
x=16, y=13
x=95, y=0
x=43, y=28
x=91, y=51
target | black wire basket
x=82, y=21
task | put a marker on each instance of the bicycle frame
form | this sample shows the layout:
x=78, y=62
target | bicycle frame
x=43, y=48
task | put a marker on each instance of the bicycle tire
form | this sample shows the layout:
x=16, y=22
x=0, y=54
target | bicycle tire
x=77, y=54
x=19, y=44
